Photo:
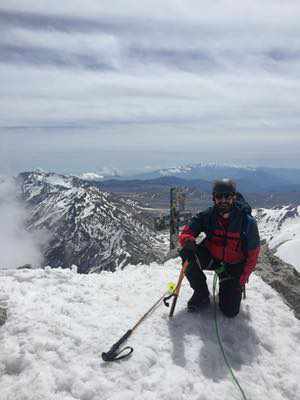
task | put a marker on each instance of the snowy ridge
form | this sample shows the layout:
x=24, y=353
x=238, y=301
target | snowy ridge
x=91, y=176
x=105, y=173
x=281, y=229
x=203, y=170
x=59, y=323
x=249, y=179
x=92, y=229
x=37, y=181
x=182, y=169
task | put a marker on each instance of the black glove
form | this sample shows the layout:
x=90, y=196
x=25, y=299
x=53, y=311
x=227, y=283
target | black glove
x=188, y=249
x=189, y=245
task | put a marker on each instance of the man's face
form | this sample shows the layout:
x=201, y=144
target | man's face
x=224, y=202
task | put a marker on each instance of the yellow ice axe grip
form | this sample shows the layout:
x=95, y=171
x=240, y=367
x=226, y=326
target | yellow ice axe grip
x=171, y=287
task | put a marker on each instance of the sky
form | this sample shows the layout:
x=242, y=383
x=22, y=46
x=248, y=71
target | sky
x=124, y=85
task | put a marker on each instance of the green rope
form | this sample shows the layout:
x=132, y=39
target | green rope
x=235, y=381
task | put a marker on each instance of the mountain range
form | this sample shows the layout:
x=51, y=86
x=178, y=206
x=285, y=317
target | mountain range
x=99, y=230
x=93, y=229
x=212, y=171
x=201, y=176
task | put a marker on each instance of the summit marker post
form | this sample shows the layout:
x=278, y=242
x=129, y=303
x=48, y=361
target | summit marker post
x=177, y=204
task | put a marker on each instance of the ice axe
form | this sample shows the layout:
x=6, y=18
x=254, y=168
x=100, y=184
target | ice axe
x=115, y=353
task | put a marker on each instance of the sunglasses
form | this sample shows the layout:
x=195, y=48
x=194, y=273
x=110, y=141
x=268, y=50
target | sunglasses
x=220, y=196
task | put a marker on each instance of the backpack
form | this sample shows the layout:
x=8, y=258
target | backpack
x=247, y=215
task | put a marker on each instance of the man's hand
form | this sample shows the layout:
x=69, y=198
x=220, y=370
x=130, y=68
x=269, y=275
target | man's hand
x=244, y=279
x=189, y=245
x=188, y=249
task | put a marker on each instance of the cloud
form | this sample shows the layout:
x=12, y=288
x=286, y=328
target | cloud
x=183, y=9
x=103, y=77
x=17, y=246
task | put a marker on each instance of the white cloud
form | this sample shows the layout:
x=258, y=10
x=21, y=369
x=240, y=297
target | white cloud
x=140, y=73
x=17, y=246
x=183, y=9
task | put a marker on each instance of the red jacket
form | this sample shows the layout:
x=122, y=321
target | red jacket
x=238, y=242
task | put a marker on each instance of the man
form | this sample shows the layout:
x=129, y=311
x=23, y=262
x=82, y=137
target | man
x=231, y=247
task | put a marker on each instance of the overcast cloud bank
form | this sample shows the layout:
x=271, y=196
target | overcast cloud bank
x=85, y=86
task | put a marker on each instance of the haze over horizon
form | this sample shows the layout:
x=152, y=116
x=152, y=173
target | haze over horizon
x=138, y=87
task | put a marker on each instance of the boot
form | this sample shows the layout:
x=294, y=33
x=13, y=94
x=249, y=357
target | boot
x=198, y=301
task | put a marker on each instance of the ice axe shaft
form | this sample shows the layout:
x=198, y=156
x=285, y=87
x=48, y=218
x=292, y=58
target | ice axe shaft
x=114, y=353
x=178, y=286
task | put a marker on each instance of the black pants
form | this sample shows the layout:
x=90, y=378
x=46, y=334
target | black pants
x=230, y=291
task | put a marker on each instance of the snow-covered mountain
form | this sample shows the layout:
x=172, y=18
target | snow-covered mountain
x=202, y=170
x=249, y=179
x=59, y=322
x=280, y=227
x=92, y=229
x=210, y=170
x=104, y=173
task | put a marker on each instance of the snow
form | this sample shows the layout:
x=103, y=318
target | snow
x=287, y=242
x=181, y=169
x=53, y=179
x=60, y=322
x=57, y=180
x=289, y=252
x=105, y=172
x=91, y=176
x=281, y=232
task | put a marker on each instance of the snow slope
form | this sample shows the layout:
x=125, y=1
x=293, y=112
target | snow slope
x=59, y=323
x=281, y=228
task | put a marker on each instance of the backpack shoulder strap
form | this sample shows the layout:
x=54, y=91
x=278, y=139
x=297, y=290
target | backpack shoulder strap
x=245, y=231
